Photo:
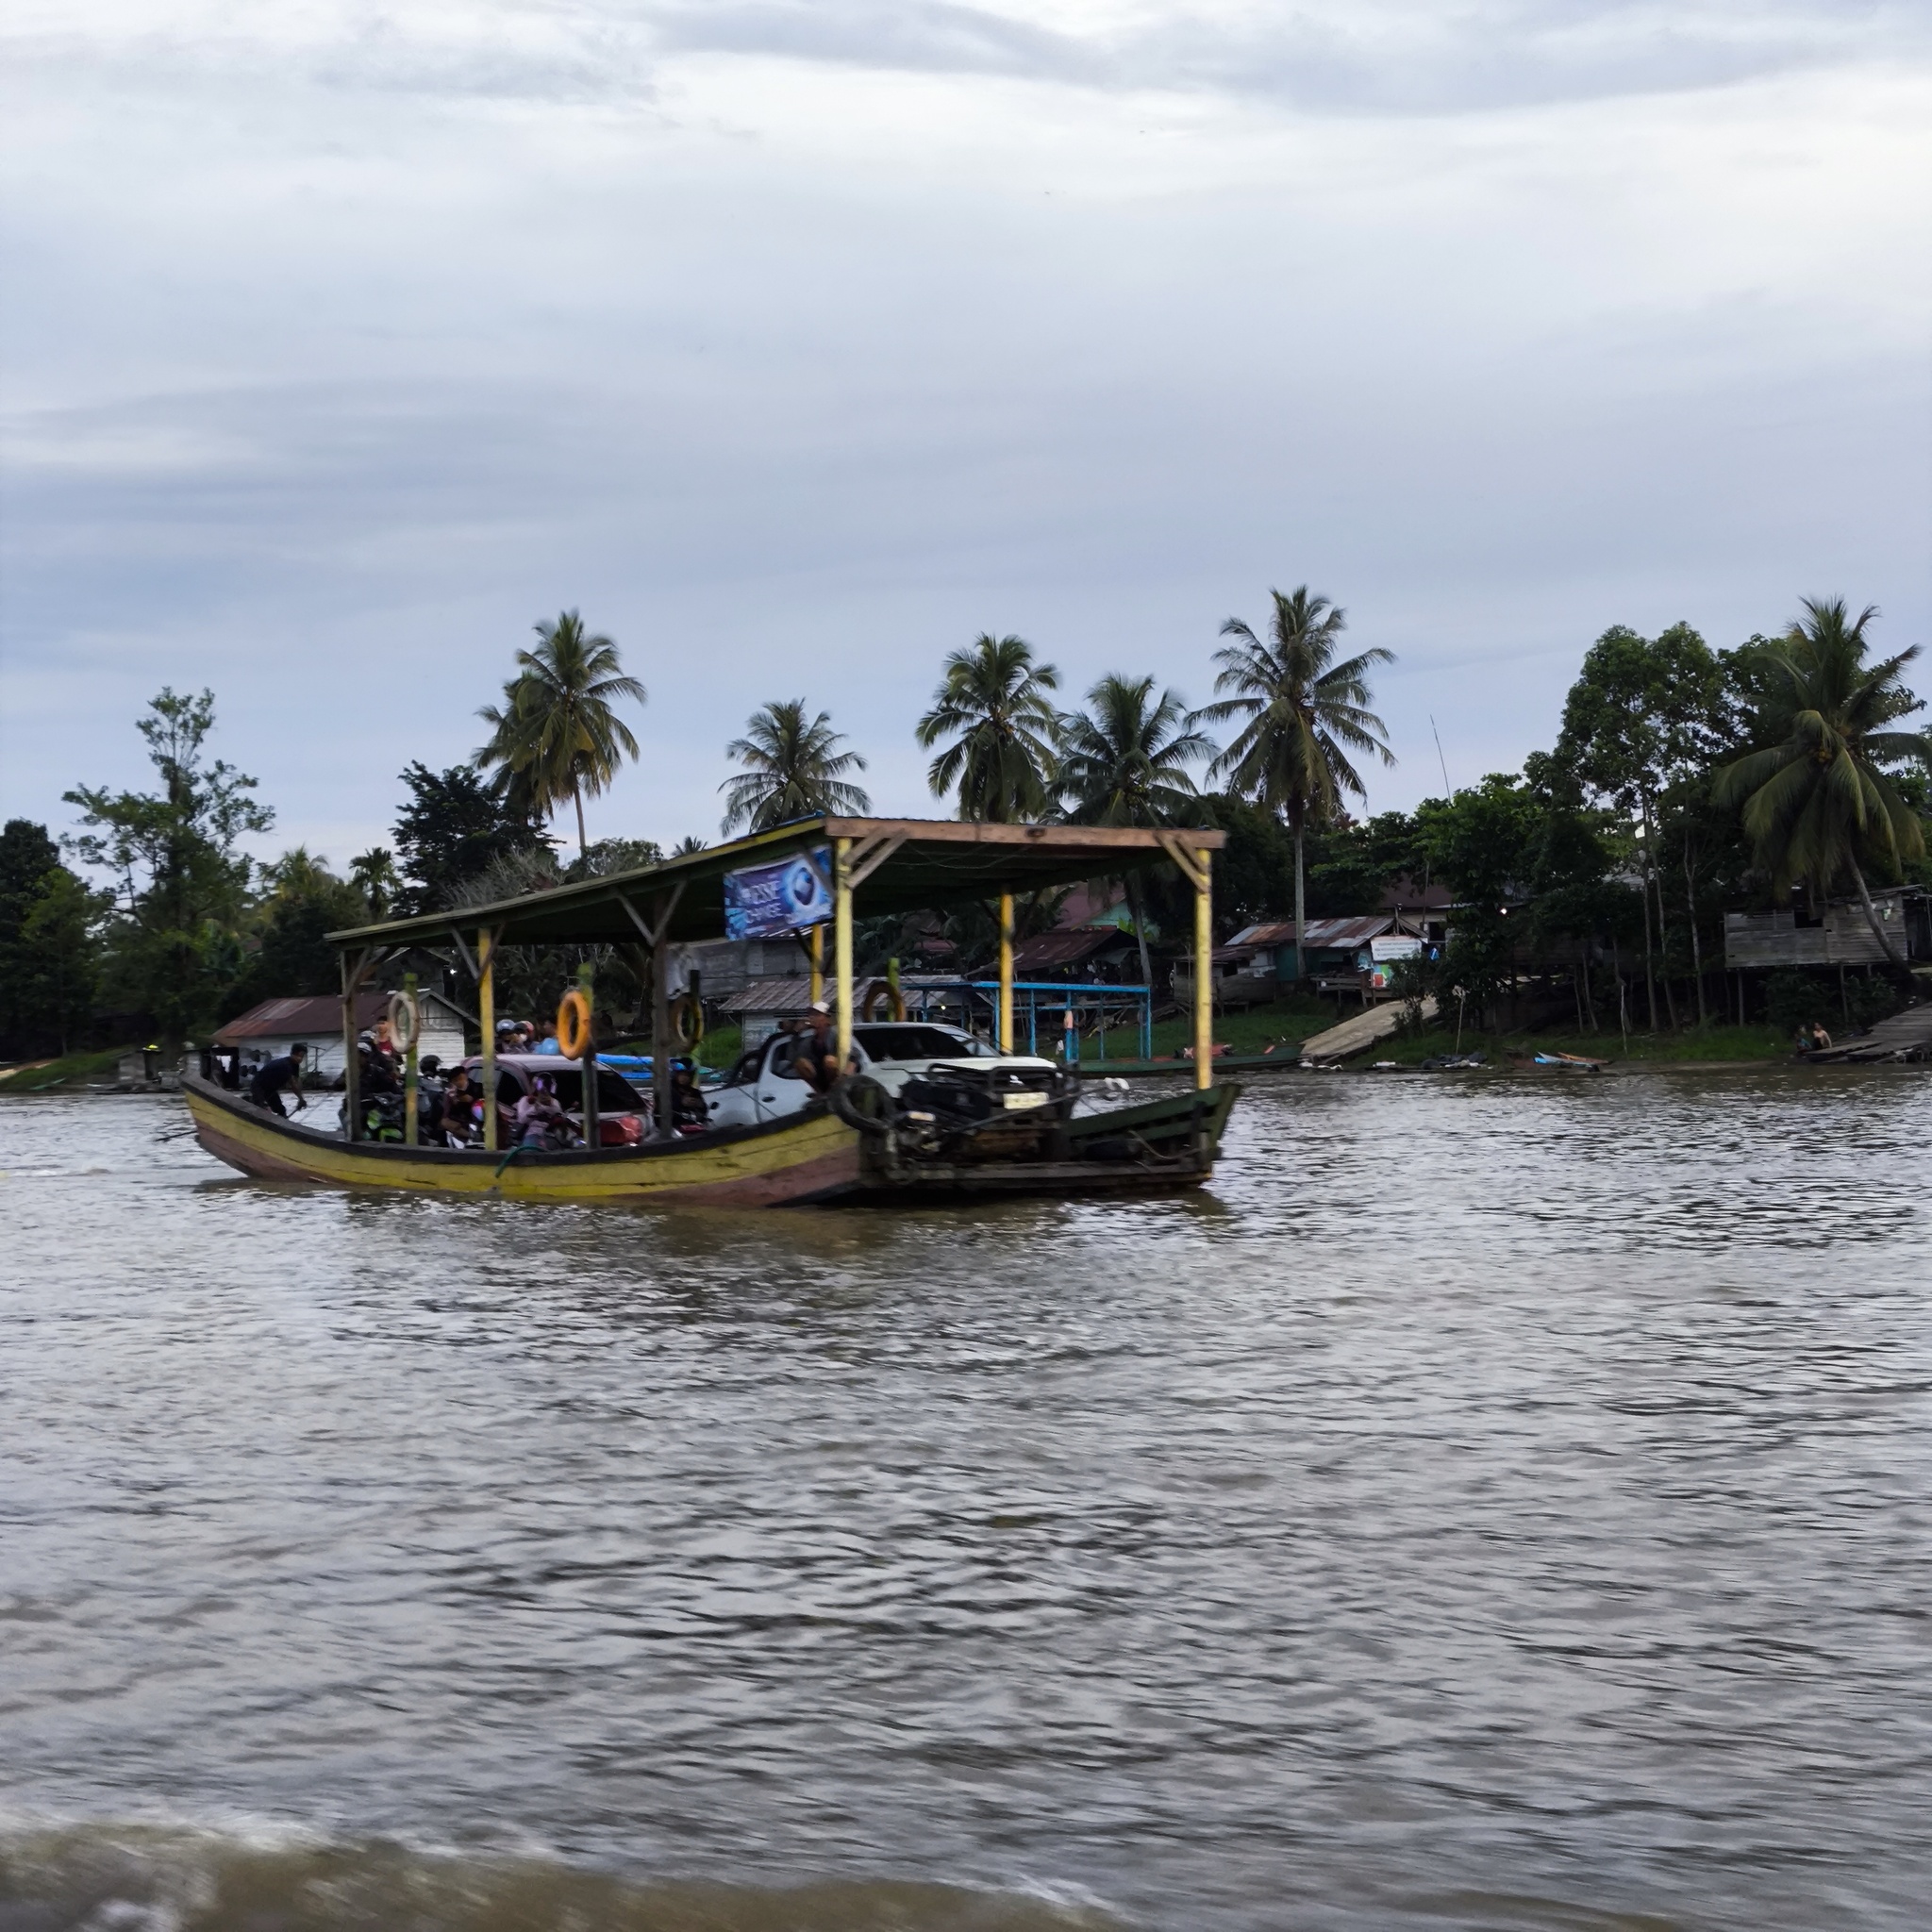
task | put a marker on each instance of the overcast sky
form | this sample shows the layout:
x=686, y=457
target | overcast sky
x=796, y=341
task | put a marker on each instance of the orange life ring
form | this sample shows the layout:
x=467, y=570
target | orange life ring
x=687, y=1017
x=574, y=1025
x=894, y=1007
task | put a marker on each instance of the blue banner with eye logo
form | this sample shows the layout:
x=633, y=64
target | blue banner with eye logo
x=763, y=901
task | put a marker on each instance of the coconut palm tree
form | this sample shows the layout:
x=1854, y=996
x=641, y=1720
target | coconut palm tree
x=1123, y=761
x=993, y=696
x=792, y=768
x=374, y=875
x=556, y=736
x=1303, y=713
x=1818, y=801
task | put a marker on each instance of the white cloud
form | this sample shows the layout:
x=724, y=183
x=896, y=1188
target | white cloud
x=796, y=344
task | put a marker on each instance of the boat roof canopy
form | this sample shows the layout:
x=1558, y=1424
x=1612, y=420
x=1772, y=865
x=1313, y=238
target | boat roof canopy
x=904, y=865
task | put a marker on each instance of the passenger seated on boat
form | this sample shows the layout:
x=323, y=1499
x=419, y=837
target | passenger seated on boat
x=275, y=1077
x=430, y=1092
x=691, y=1112
x=379, y=1071
x=540, y=1119
x=459, y=1110
x=815, y=1058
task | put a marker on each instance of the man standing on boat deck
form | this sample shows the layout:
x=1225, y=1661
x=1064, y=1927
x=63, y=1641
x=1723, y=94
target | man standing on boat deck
x=274, y=1077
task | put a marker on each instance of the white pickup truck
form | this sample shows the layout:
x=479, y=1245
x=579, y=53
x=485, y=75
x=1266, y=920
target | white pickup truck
x=763, y=1087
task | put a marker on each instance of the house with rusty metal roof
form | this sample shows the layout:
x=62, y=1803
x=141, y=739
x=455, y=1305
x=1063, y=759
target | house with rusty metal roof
x=1089, y=953
x=267, y=1031
x=1254, y=967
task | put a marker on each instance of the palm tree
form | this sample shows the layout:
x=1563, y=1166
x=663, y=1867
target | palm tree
x=994, y=695
x=1814, y=802
x=374, y=875
x=298, y=873
x=793, y=768
x=556, y=736
x=1304, y=714
x=1124, y=762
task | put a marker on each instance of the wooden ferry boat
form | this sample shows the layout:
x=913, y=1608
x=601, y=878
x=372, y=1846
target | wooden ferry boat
x=862, y=1141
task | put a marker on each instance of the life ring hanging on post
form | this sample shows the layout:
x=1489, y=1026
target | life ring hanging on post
x=884, y=1001
x=405, y=1021
x=574, y=1025
x=687, y=1017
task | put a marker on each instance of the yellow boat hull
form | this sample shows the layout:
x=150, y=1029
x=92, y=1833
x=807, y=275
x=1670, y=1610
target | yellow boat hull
x=811, y=1158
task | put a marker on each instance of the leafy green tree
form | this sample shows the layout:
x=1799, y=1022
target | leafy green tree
x=608, y=856
x=1304, y=714
x=455, y=826
x=1123, y=761
x=181, y=882
x=59, y=954
x=49, y=943
x=793, y=768
x=1482, y=841
x=557, y=736
x=1252, y=872
x=992, y=703
x=1352, y=863
x=1821, y=799
x=1646, y=714
x=293, y=957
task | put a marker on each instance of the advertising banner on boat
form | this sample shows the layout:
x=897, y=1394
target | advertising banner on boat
x=1383, y=954
x=763, y=901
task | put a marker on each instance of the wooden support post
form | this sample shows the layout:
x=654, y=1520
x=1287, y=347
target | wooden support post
x=412, y=1096
x=841, y=944
x=486, y=1009
x=352, y=1060
x=1204, y=969
x=1005, y=1017
x=662, y=1125
x=818, y=963
x=587, y=987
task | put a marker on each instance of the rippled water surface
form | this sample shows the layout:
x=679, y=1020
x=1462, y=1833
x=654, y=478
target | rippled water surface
x=1491, y=1503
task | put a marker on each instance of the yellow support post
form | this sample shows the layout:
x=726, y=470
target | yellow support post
x=841, y=944
x=587, y=1104
x=818, y=964
x=1204, y=969
x=1005, y=1041
x=486, y=1010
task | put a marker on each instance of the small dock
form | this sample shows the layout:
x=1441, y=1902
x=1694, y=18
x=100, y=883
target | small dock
x=1905, y=1036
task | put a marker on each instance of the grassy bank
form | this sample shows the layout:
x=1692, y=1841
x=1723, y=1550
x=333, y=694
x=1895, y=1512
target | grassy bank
x=1254, y=1030
x=72, y=1070
x=1698, y=1044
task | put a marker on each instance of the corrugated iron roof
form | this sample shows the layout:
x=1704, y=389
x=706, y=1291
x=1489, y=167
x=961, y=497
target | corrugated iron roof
x=1357, y=929
x=790, y=994
x=1066, y=945
x=307, y=1019
x=1334, y=933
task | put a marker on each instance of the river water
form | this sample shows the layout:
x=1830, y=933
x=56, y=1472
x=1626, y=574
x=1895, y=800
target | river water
x=1493, y=1504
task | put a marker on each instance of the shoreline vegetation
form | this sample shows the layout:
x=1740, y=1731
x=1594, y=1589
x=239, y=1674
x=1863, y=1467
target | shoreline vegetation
x=1283, y=1026
x=1685, y=784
